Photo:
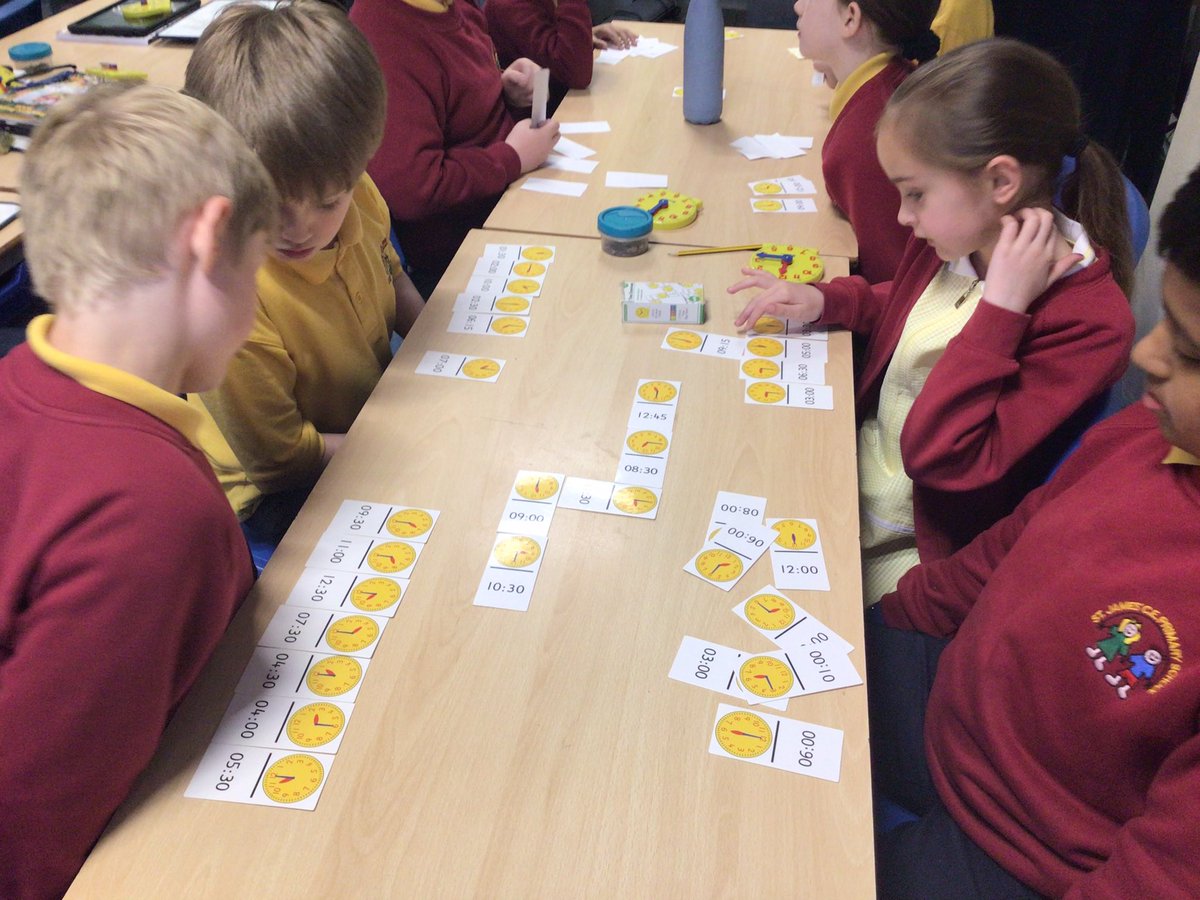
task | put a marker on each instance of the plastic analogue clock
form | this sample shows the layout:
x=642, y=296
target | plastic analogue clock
x=679, y=211
x=536, y=487
x=767, y=677
x=770, y=612
x=657, y=392
x=392, y=556
x=334, y=676
x=315, y=724
x=293, y=778
x=766, y=392
x=805, y=264
x=634, y=500
x=406, y=523
x=647, y=443
x=352, y=633
x=719, y=565
x=374, y=594
x=517, y=552
x=792, y=534
x=743, y=734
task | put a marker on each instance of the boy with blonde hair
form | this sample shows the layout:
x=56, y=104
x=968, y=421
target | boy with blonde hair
x=146, y=217
x=302, y=86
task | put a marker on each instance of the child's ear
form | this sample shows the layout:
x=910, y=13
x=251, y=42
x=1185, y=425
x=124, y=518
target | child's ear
x=1005, y=180
x=852, y=20
x=208, y=229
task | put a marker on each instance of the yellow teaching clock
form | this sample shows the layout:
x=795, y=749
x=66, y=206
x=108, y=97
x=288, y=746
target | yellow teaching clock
x=670, y=209
x=657, y=392
x=480, y=368
x=393, y=556
x=315, y=724
x=352, y=633
x=684, y=340
x=770, y=612
x=635, y=500
x=792, y=534
x=374, y=594
x=787, y=261
x=334, y=676
x=766, y=677
x=512, y=304
x=517, y=552
x=647, y=443
x=766, y=392
x=743, y=734
x=537, y=486
x=293, y=778
x=764, y=346
x=760, y=368
x=719, y=565
x=406, y=523
x=508, y=325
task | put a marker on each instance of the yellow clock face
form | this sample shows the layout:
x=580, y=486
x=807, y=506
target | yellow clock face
x=743, y=734
x=760, y=368
x=334, y=676
x=390, y=557
x=406, y=523
x=635, y=500
x=517, y=552
x=770, y=612
x=684, y=340
x=769, y=325
x=512, y=304
x=293, y=778
x=767, y=677
x=671, y=208
x=374, y=594
x=315, y=724
x=529, y=269
x=508, y=325
x=719, y=565
x=536, y=486
x=792, y=534
x=764, y=346
x=803, y=266
x=766, y=392
x=657, y=392
x=537, y=253
x=480, y=368
x=647, y=443
x=768, y=187
x=352, y=633
x=768, y=205
x=522, y=286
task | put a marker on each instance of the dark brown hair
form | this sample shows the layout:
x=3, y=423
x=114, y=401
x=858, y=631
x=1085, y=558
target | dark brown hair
x=1001, y=97
x=1179, y=229
x=903, y=24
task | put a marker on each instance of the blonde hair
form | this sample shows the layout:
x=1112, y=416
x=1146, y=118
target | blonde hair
x=110, y=176
x=1001, y=97
x=301, y=85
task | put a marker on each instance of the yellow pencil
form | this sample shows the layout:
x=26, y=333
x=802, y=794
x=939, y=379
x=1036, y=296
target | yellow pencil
x=699, y=250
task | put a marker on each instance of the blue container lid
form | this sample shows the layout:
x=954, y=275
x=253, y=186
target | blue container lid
x=624, y=222
x=29, y=52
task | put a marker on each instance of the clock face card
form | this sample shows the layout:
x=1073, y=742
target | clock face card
x=297, y=628
x=781, y=348
x=686, y=340
x=384, y=520
x=521, y=285
x=379, y=595
x=532, y=501
x=725, y=558
x=477, y=323
x=303, y=674
x=532, y=252
x=797, y=559
x=366, y=555
x=590, y=495
x=777, y=743
x=714, y=668
x=461, y=366
x=772, y=326
x=793, y=371
x=262, y=777
x=493, y=304
x=279, y=722
x=511, y=572
x=800, y=396
x=788, y=626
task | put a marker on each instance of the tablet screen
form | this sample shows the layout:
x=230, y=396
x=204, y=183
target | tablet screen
x=110, y=21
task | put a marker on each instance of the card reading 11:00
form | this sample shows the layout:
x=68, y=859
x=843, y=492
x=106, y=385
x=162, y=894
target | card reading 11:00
x=365, y=555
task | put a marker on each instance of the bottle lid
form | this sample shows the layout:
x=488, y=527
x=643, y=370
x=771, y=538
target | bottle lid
x=29, y=52
x=624, y=222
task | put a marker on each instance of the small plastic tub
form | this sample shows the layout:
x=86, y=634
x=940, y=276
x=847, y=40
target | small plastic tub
x=31, y=55
x=625, y=230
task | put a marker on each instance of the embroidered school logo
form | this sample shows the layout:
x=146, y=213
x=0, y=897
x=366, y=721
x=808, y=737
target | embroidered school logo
x=1136, y=648
x=387, y=262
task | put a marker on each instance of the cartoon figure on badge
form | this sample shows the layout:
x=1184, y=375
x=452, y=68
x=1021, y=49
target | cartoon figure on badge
x=1122, y=636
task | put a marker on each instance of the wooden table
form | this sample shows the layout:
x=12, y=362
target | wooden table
x=767, y=91
x=546, y=753
x=163, y=62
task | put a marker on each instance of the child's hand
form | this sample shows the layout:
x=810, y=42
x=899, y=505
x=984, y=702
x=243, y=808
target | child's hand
x=801, y=302
x=612, y=35
x=1026, y=260
x=517, y=81
x=533, y=145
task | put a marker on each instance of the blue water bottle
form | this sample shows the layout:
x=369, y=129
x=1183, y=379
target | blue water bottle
x=703, y=62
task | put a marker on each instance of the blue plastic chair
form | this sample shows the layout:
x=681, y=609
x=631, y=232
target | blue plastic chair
x=1135, y=206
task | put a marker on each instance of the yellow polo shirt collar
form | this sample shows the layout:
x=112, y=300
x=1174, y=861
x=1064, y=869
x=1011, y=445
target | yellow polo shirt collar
x=430, y=5
x=318, y=268
x=856, y=79
x=1178, y=457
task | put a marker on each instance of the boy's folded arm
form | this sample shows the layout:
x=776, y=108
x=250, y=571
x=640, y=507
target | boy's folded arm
x=566, y=44
x=993, y=396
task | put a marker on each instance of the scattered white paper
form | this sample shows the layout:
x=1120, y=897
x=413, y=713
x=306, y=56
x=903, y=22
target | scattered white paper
x=566, y=164
x=573, y=149
x=549, y=186
x=597, y=127
x=634, y=180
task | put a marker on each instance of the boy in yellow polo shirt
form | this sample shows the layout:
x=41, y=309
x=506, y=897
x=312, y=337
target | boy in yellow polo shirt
x=302, y=86
x=146, y=217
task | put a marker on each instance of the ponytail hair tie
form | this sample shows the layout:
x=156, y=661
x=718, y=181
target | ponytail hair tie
x=923, y=47
x=1078, y=146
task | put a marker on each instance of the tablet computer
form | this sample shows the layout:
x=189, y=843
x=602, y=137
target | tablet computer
x=110, y=21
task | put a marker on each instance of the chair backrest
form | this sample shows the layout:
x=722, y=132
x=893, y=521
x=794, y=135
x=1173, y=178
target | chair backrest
x=18, y=14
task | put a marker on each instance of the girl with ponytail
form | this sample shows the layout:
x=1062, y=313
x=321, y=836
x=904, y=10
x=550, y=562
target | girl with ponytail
x=1006, y=322
x=865, y=49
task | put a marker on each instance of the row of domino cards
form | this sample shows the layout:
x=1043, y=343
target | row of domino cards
x=276, y=742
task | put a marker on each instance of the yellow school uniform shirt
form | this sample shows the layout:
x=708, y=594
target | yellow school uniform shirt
x=960, y=22
x=320, y=342
x=856, y=79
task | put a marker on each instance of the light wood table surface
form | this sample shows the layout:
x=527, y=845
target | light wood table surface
x=767, y=91
x=546, y=753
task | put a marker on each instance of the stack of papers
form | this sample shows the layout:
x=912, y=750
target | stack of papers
x=773, y=146
x=648, y=47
